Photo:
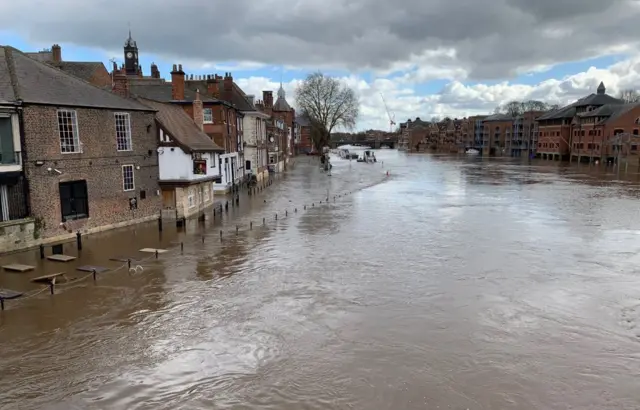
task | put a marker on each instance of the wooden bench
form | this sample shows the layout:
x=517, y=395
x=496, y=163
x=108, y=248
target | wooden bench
x=8, y=294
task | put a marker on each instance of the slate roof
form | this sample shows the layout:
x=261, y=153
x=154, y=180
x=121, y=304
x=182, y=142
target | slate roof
x=303, y=120
x=609, y=111
x=281, y=105
x=34, y=82
x=80, y=69
x=182, y=128
x=569, y=111
x=498, y=117
x=163, y=93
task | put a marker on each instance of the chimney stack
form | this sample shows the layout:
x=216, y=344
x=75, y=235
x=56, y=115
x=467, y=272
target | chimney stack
x=177, y=83
x=228, y=87
x=56, y=53
x=120, y=84
x=267, y=98
x=198, y=111
x=212, y=87
x=155, y=73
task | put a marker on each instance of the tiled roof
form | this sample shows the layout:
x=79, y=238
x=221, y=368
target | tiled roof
x=80, y=69
x=238, y=97
x=163, y=92
x=609, y=111
x=181, y=127
x=26, y=79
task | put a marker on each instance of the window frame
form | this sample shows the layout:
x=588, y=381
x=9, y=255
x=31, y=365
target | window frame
x=133, y=178
x=204, y=116
x=75, y=132
x=128, y=138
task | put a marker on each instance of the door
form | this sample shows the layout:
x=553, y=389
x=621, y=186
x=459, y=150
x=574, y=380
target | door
x=168, y=199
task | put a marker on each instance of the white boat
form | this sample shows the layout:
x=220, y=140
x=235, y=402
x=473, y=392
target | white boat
x=472, y=151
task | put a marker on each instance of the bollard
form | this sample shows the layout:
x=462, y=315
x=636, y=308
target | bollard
x=313, y=204
x=305, y=207
x=41, y=251
x=251, y=225
x=156, y=254
x=226, y=206
x=202, y=238
x=286, y=213
x=237, y=229
x=220, y=234
x=51, y=286
x=79, y=240
x=276, y=217
x=295, y=210
x=160, y=223
x=95, y=274
x=129, y=263
x=181, y=250
x=238, y=200
x=263, y=221
x=1, y=303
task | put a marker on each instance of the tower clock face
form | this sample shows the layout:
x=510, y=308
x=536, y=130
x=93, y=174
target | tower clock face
x=129, y=54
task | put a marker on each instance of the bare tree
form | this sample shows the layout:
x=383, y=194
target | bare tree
x=516, y=108
x=329, y=104
x=630, y=95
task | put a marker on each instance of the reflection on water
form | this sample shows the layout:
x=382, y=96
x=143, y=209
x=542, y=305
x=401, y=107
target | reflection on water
x=455, y=283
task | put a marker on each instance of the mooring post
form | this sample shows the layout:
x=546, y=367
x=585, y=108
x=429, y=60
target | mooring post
x=276, y=217
x=251, y=225
x=226, y=206
x=51, y=286
x=295, y=210
x=1, y=303
x=264, y=221
x=305, y=207
x=41, y=251
x=237, y=229
x=160, y=223
x=181, y=247
x=156, y=254
x=79, y=240
x=128, y=263
x=220, y=234
x=202, y=238
x=286, y=213
x=94, y=275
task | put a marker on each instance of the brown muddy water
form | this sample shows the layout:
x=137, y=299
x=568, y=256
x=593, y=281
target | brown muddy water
x=454, y=284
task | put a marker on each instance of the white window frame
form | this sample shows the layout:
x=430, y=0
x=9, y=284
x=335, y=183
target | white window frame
x=191, y=201
x=127, y=143
x=75, y=135
x=133, y=178
x=204, y=115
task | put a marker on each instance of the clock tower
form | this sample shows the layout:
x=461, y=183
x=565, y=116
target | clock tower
x=131, y=56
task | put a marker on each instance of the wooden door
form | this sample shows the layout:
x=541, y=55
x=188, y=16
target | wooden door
x=168, y=199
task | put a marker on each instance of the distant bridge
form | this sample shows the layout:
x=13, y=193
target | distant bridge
x=373, y=143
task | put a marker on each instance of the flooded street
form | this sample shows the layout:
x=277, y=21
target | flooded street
x=454, y=283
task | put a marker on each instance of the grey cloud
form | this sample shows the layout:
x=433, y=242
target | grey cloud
x=492, y=38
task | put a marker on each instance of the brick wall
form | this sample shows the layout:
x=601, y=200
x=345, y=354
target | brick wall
x=100, y=165
x=101, y=78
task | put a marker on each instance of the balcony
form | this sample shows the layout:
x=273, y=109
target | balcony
x=10, y=161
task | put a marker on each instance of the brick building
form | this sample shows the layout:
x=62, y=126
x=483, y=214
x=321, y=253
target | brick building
x=524, y=135
x=89, y=156
x=497, y=131
x=305, y=143
x=556, y=128
x=278, y=133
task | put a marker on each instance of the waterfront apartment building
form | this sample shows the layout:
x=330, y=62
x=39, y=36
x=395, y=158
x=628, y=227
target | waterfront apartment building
x=524, y=134
x=496, y=129
x=87, y=155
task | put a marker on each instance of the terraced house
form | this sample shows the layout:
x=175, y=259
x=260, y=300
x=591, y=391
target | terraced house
x=84, y=158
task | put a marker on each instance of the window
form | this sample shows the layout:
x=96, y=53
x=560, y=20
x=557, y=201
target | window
x=7, y=155
x=127, y=178
x=191, y=200
x=68, y=131
x=74, y=201
x=123, y=131
x=206, y=194
x=208, y=115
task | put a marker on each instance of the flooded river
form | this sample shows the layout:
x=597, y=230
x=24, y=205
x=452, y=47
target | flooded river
x=454, y=283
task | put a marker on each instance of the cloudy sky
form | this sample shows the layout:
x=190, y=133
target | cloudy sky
x=427, y=57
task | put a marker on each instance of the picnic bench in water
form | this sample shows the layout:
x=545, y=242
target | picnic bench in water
x=51, y=279
x=8, y=294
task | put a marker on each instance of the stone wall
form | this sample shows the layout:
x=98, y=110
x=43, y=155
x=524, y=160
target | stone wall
x=17, y=234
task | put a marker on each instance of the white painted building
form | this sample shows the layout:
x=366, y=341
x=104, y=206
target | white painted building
x=255, y=138
x=189, y=161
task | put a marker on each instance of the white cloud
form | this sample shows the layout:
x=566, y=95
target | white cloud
x=459, y=100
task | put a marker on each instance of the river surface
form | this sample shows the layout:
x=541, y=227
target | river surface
x=454, y=283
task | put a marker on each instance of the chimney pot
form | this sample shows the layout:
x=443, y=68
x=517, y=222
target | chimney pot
x=175, y=68
x=180, y=67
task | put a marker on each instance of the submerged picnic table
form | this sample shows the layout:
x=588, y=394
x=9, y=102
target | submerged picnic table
x=8, y=294
x=51, y=279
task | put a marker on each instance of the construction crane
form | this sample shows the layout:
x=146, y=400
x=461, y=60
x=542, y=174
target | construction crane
x=391, y=117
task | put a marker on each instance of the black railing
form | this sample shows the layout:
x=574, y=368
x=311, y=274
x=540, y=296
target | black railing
x=10, y=158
